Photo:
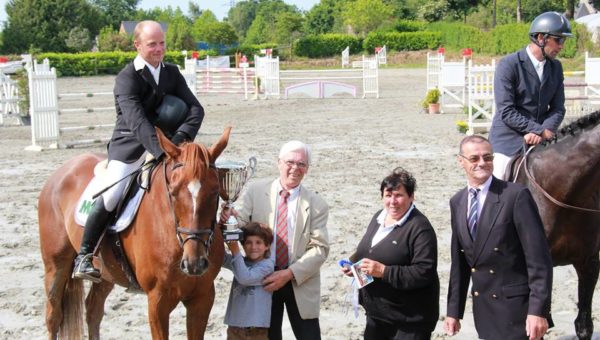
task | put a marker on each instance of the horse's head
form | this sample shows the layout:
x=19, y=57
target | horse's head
x=193, y=188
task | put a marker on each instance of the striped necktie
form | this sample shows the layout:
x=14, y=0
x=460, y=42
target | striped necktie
x=281, y=247
x=472, y=218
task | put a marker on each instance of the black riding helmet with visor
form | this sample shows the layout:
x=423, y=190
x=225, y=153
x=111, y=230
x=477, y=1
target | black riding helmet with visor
x=550, y=25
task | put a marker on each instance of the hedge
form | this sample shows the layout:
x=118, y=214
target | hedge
x=402, y=41
x=95, y=63
x=326, y=45
x=456, y=36
x=250, y=50
x=409, y=26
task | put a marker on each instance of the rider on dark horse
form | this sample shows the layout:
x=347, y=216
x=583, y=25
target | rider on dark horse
x=529, y=91
x=148, y=93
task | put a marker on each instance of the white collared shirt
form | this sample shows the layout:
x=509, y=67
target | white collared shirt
x=139, y=63
x=384, y=231
x=537, y=65
x=483, y=191
x=291, y=217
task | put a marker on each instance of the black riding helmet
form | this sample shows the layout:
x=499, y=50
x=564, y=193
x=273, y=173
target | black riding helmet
x=170, y=114
x=549, y=24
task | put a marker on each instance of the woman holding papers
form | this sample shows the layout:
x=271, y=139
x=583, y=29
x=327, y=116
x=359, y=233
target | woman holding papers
x=399, y=250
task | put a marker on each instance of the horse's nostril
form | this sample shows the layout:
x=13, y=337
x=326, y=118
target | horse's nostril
x=184, y=266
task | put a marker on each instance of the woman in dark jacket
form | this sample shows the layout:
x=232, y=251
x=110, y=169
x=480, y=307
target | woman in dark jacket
x=399, y=249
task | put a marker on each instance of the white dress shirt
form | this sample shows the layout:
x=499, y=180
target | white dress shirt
x=483, y=191
x=139, y=63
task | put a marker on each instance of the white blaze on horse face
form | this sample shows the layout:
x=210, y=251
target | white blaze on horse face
x=194, y=188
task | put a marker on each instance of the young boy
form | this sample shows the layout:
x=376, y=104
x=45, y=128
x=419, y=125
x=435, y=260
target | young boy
x=248, y=312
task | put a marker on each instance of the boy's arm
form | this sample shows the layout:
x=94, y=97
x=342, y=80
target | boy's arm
x=251, y=276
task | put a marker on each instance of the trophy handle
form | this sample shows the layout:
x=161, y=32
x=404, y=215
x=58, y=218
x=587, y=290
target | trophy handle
x=252, y=166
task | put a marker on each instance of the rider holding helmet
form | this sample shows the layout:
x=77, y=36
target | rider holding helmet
x=529, y=91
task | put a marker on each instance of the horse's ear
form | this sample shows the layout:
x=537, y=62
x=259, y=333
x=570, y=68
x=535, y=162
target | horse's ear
x=168, y=147
x=218, y=147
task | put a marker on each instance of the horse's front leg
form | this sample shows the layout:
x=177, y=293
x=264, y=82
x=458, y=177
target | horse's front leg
x=160, y=306
x=197, y=312
x=94, y=305
x=587, y=273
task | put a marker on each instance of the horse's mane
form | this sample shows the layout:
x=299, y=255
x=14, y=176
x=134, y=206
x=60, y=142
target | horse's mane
x=577, y=126
x=196, y=160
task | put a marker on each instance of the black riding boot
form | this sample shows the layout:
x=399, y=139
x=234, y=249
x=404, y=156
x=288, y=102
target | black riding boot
x=94, y=228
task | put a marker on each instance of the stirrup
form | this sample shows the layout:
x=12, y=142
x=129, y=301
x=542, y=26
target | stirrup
x=79, y=274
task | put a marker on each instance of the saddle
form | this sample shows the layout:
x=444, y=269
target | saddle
x=137, y=184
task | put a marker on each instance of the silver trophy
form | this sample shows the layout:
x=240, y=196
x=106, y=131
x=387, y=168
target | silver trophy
x=232, y=177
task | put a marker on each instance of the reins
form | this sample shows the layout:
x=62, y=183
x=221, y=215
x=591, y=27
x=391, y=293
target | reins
x=546, y=194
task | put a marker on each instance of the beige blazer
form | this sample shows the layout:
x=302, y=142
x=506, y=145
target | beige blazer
x=311, y=242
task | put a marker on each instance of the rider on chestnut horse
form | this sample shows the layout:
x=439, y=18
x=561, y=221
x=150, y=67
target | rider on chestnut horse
x=148, y=93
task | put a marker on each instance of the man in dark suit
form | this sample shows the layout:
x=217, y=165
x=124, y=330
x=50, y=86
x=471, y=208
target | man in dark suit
x=529, y=91
x=140, y=90
x=498, y=241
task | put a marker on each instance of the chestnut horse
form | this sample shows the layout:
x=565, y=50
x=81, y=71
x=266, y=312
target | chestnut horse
x=172, y=246
x=564, y=179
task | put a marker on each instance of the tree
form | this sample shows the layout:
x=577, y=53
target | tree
x=115, y=11
x=45, y=25
x=202, y=26
x=79, y=40
x=179, y=35
x=256, y=32
x=433, y=10
x=405, y=9
x=325, y=17
x=221, y=33
x=367, y=15
x=194, y=11
x=110, y=40
x=461, y=8
x=241, y=17
x=287, y=28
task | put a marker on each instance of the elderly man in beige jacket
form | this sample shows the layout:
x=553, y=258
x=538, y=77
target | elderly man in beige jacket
x=298, y=218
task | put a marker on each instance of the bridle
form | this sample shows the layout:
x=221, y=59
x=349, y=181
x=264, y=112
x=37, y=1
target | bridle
x=546, y=194
x=183, y=233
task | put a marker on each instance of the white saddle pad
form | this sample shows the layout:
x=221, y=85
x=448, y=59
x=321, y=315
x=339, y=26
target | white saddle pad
x=84, y=206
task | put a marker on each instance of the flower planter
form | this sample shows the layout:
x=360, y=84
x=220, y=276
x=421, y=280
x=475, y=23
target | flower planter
x=434, y=108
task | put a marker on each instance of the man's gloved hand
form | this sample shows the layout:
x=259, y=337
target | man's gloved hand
x=179, y=138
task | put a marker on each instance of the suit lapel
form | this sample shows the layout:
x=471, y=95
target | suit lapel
x=462, y=228
x=271, y=197
x=302, y=207
x=489, y=213
x=528, y=65
x=546, y=79
x=145, y=73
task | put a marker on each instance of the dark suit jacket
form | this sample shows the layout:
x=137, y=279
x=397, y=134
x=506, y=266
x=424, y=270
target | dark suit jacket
x=136, y=98
x=523, y=103
x=407, y=296
x=509, y=262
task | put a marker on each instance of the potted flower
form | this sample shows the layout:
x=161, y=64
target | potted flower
x=431, y=103
x=462, y=126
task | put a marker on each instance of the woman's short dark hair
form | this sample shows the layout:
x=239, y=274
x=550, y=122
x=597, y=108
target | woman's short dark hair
x=399, y=178
x=262, y=231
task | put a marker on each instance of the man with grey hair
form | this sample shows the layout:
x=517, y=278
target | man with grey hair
x=298, y=217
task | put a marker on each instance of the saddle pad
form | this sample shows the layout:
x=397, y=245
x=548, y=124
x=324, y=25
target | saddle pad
x=85, y=203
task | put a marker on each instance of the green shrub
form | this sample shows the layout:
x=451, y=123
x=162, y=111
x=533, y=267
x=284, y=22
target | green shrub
x=402, y=41
x=432, y=97
x=456, y=36
x=94, y=63
x=409, y=26
x=509, y=38
x=326, y=45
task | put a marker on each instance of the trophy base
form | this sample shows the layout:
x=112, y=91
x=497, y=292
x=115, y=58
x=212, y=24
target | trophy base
x=232, y=235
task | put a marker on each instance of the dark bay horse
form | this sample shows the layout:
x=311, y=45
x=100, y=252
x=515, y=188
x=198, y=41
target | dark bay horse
x=172, y=246
x=564, y=179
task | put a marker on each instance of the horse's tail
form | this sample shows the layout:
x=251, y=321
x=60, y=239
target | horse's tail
x=72, y=305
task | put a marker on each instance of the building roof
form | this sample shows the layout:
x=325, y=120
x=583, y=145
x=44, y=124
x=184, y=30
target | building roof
x=129, y=26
